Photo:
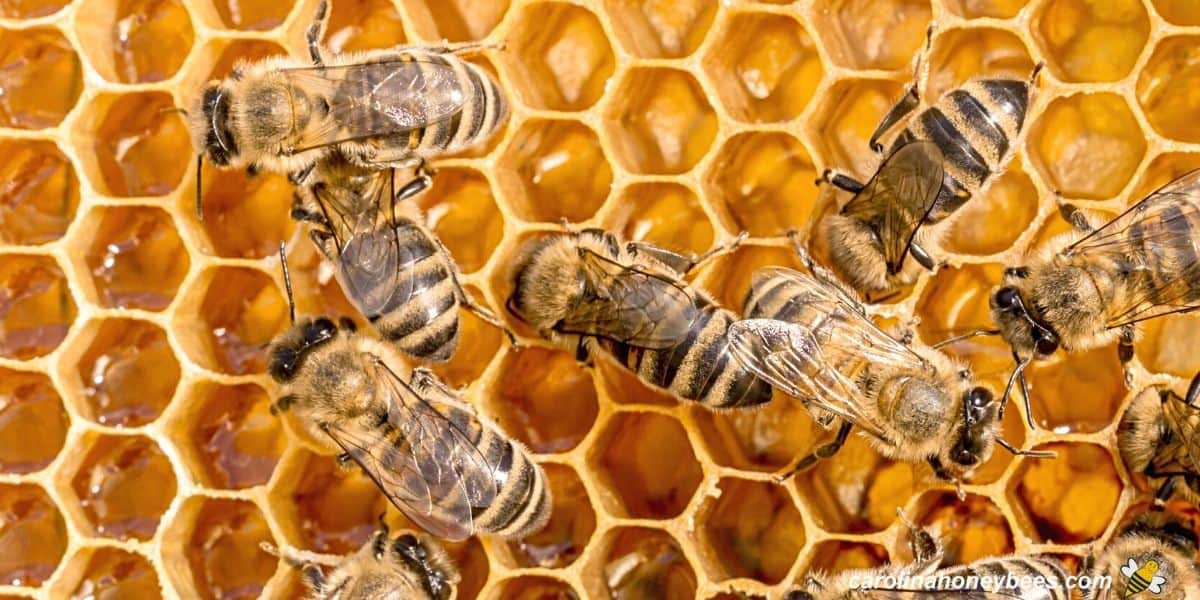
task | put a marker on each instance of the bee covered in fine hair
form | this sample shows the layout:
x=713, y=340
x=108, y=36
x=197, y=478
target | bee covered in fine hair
x=449, y=470
x=408, y=567
x=1155, y=553
x=810, y=338
x=589, y=292
x=1091, y=287
x=922, y=579
x=942, y=155
x=1159, y=436
x=394, y=107
x=396, y=272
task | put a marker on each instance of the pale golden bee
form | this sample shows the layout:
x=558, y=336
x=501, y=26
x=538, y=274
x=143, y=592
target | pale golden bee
x=1159, y=436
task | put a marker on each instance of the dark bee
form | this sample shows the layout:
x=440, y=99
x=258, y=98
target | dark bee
x=1159, y=435
x=944, y=154
x=587, y=291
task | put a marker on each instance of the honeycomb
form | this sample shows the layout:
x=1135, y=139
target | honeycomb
x=138, y=456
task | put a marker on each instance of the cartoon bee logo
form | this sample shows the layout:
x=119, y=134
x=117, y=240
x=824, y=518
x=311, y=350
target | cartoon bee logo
x=1142, y=578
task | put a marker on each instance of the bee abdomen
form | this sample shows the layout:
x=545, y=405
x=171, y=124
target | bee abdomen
x=483, y=110
x=962, y=161
x=426, y=326
x=522, y=503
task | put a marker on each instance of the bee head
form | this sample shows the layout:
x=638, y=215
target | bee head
x=437, y=576
x=546, y=282
x=212, y=131
x=975, y=436
x=1020, y=324
x=290, y=350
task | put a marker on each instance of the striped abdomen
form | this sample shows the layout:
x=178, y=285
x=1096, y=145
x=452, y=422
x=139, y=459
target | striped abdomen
x=1155, y=264
x=699, y=368
x=425, y=325
x=975, y=126
x=482, y=113
x=1179, y=449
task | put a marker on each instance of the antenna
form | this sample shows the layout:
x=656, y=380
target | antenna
x=287, y=281
x=199, y=170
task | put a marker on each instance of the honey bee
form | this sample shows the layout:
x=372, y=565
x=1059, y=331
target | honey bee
x=395, y=107
x=409, y=567
x=986, y=578
x=587, y=291
x=1159, y=435
x=1088, y=288
x=395, y=271
x=449, y=470
x=811, y=338
x=1157, y=549
x=944, y=154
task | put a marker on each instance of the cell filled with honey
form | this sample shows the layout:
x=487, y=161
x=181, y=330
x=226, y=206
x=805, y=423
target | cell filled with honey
x=992, y=221
x=574, y=58
x=1087, y=145
x=668, y=215
x=37, y=308
x=128, y=372
x=1173, y=68
x=651, y=29
x=30, y=9
x=41, y=77
x=136, y=258
x=1077, y=391
x=141, y=41
x=752, y=529
x=974, y=9
x=545, y=399
x=112, y=573
x=1179, y=12
x=222, y=549
x=242, y=311
x=1068, y=499
x=457, y=20
x=235, y=439
x=648, y=463
x=646, y=563
x=664, y=124
x=461, y=211
x=33, y=532
x=572, y=521
x=729, y=276
x=39, y=192
x=554, y=170
x=124, y=484
x=139, y=146
x=1164, y=345
x=252, y=15
x=33, y=422
x=334, y=509
x=959, y=55
x=765, y=182
x=239, y=211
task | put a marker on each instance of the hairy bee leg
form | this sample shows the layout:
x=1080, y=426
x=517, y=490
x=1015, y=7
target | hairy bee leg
x=1193, y=392
x=468, y=302
x=1125, y=351
x=921, y=256
x=927, y=551
x=313, y=35
x=1078, y=218
x=820, y=453
x=911, y=98
x=841, y=181
x=680, y=263
x=300, y=212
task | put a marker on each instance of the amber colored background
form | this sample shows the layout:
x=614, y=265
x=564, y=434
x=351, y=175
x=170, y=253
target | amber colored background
x=136, y=449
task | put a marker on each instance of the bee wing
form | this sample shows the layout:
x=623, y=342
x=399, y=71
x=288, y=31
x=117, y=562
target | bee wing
x=426, y=463
x=899, y=197
x=630, y=304
x=1161, y=230
x=1129, y=568
x=389, y=97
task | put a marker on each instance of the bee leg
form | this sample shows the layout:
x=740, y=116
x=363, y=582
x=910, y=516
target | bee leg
x=314, y=578
x=1125, y=351
x=1164, y=491
x=921, y=256
x=469, y=303
x=841, y=181
x=582, y=354
x=1077, y=217
x=820, y=272
x=313, y=36
x=927, y=552
x=680, y=263
x=300, y=212
x=820, y=452
x=1193, y=392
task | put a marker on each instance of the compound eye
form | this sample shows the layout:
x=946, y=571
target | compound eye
x=1006, y=298
x=979, y=397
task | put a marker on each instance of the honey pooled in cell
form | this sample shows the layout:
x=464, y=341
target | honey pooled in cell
x=869, y=34
x=647, y=563
x=30, y=9
x=128, y=372
x=470, y=359
x=237, y=439
x=36, y=308
x=115, y=574
x=1069, y=499
x=1166, y=345
x=363, y=25
x=559, y=57
x=223, y=551
x=660, y=213
x=337, y=508
x=646, y=459
x=532, y=587
x=242, y=214
x=136, y=258
x=254, y=15
x=141, y=146
x=150, y=39
x=753, y=529
x=314, y=286
x=33, y=534
x=729, y=276
x=766, y=68
x=545, y=399
x=1000, y=9
x=1089, y=145
x=655, y=29
x=39, y=192
x=968, y=530
x=851, y=111
x=236, y=51
x=572, y=521
x=1166, y=88
x=33, y=422
x=766, y=183
x=1087, y=40
x=554, y=170
x=856, y=491
x=40, y=78
x=1077, y=391
x=834, y=556
x=959, y=55
x=1179, y=12
x=767, y=439
x=243, y=312
x=664, y=124
x=461, y=211
x=125, y=484
x=992, y=222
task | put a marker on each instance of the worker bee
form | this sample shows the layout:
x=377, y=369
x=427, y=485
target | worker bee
x=409, y=567
x=996, y=577
x=449, y=470
x=944, y=154
x=1159, y=435
x=394, y=107
x=811, y=338
x=587, y=291
x=1090, y=287
x=1156, y=552
x=395, y=271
